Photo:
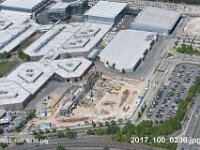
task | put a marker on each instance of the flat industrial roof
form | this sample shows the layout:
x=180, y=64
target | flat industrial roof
x=14, y=28
x=71, y=68
x=59, y=5
x=157, y=17
x=11, y=92
x=49, y=57
x=85, y=38
x=127, y=48
x=106, y=9
x=33, y=75
x=14, y=35
x=25, y=4
x=4, y=23
x=15, y=17
x=74, y=38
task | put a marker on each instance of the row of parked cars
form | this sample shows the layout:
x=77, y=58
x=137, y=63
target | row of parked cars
x=165, y=103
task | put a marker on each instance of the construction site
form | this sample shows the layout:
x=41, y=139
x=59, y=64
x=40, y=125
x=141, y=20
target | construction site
x=192, y=27
x=99, y=98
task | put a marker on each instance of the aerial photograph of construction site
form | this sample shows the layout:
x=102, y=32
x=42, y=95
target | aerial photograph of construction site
x=192, y=27
x=99, y=74
x=110, y=98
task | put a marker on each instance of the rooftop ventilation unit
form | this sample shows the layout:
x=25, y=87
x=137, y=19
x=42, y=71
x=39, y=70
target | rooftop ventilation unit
x=48, y=38
x=4, y=23
x=76, y=43
x=89, y=32
x=149, y=37
x=3, y=92
x=7, y=93
x=49, y=57
x=70, y=66
x=30, y=74
x=12, y=35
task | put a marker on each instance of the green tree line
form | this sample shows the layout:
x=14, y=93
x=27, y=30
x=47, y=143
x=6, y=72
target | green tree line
x=188, y=49
x=197, y=2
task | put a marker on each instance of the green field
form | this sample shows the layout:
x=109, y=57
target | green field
x=6, y=66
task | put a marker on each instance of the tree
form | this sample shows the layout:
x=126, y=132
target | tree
x=120, y=120
x=123, y=71
x=129, y=128
x=100, y=131
x=19, y=143
x=118, y=136
x=3, y=145
x=93, y=124
x=107, y=63
x=60, y=134
x=113, y=123
x=106, y=148
x=18, y=128
x=23, y=56
x=90, y=132
x=38, y=136
x=112, y=129
x=40, y=131
x=46, y=130
x=30, y=115
x=128, y=137
x=139, y=114
x=34, y=132
x=107, y=123
x=67, y=128
x=5, y=55
x=70, y=134
x=1, y=130
x=113, y=66
x=142, y=109
x=60, y=147
x=54, y=130
x=100, y=124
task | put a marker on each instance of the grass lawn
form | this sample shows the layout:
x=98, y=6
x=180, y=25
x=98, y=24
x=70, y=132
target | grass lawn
x=168, y=54
x=6, y=66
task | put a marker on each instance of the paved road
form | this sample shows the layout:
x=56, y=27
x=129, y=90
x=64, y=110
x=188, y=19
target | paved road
x=192, y=130
x=95, y=142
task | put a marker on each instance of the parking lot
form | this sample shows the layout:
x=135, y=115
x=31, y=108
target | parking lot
x=165, y=103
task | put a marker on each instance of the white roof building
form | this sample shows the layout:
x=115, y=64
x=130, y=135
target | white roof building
x=156, y=20
x=14, y=29
x=105, y=11
x=14, y=35
x=59, y=5
x=49, y=57
x=32, y=76
x=15, y=17
x=85, y=39
x=74, y=39
x=26, y=80
x=21, y=5
x=127, y=48
x=11, y=92
x=71, y=68
x=4, y=23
